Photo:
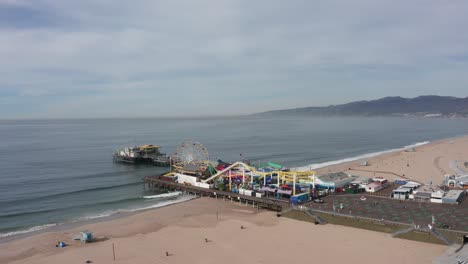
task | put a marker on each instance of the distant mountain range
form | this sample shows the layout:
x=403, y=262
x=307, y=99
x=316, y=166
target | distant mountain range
x=425, y=106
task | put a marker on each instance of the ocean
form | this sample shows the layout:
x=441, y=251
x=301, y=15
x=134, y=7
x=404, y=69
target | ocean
x=56, y=172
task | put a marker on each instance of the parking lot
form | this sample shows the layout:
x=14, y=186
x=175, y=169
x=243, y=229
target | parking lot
x=446, y=215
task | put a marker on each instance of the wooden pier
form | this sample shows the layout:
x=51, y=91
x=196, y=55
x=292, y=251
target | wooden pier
x=159, y=161
x=266, y=203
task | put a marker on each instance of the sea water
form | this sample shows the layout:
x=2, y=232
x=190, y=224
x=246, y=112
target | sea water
x=61, y=171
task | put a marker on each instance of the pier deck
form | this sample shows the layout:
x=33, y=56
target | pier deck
x=267, y=203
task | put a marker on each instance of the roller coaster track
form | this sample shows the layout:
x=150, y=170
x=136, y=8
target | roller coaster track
x=284, y=175
x=227, y=169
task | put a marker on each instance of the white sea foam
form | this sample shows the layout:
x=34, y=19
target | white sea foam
x=101, y=215
x=29, y=230
x=183, y=199
x=159, y=204
x=164, y=195
x=416, y=145
x=364, y=156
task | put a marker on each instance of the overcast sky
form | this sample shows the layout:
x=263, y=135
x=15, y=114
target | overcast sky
x=97, y=58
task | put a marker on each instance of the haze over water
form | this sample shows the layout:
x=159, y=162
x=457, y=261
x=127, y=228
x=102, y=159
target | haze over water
x=56, y=171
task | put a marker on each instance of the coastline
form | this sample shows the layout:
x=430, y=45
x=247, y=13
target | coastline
x=129, y=225
x=428, y=163
x=60, y=227
x=181, y=230
x=349, y=165
x=328, y=164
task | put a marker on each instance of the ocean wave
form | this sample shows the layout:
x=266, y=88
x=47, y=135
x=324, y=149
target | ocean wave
x=26, y=213
x=96, y=216
x=113, y=212
x=71, y=178
x=315, y=166
x=35, y=212
x=29, y=230
x=164, y=195
x=55, y=195
x=100, y=215
x=416, y=145
x=165, y=203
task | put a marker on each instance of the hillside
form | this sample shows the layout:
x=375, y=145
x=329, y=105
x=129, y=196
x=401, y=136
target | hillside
x=428, y=106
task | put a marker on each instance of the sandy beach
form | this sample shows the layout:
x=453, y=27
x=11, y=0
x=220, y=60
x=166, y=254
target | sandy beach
x=427, y=163
x=181, y=231
x=206, y=230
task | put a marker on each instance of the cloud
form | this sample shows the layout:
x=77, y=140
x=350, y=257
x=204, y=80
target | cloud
x=224, y=57
x=20, y=3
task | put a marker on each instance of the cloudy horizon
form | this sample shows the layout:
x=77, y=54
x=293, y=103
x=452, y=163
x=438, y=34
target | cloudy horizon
x=82, y=59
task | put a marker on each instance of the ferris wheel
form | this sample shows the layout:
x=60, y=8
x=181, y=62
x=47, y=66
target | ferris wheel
x=190, y=152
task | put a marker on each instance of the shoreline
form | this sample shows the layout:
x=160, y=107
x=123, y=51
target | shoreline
x=181, y=230
x=348, y=164
x=400, y=161
x=199, y=212
x=60, y=227
x=327, y=164
x=64, y=232
x=379, y=154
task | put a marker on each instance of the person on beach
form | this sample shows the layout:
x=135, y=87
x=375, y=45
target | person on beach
x=60, y=244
